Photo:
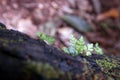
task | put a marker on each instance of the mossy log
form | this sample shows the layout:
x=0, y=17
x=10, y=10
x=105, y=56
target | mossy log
x=24, y=58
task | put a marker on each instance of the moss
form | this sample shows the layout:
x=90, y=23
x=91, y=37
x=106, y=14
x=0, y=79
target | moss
x=44, y=69
x=110, y=67
x=5, y=41
x=2, y=26
x=106, y=64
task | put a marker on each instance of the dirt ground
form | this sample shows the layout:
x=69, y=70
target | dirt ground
x=30, y=16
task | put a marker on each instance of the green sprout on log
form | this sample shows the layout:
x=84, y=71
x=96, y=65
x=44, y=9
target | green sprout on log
x=46, y=38
x=78, y=46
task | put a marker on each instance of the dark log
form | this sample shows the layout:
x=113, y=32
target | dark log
x=24, y=58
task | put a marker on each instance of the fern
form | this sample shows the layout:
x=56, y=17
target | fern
x=79, y=47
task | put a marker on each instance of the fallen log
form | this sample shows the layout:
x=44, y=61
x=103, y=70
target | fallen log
x=24, y=58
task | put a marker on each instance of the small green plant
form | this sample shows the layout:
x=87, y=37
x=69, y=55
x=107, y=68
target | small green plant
x=108, y=65
x=46, y=38
x=79, y=47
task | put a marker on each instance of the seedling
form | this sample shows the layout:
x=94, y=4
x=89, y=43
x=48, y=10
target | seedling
x=46, y=38
x=79, y=47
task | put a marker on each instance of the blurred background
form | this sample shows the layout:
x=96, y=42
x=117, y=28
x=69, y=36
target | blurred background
x=95, y=20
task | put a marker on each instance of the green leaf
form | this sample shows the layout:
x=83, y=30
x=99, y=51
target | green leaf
x=88, y=53
x=65, y=50
x=48, y=39
x=79, y=47
x=90, y=47
x=97, y=49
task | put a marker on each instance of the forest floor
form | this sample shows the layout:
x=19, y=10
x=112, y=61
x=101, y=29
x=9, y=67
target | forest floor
x=29, y=17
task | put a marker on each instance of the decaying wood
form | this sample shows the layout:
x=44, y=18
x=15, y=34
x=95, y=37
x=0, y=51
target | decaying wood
x=24, y=58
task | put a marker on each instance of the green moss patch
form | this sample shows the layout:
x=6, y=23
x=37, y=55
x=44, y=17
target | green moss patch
x=111, y=67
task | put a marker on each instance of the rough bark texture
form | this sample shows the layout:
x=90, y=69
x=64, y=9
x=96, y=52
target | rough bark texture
x=24, y=58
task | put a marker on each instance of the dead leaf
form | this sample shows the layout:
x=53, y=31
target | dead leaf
x=65, y=33
x=112, y=13
x=76, y=22
x=26, y=26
